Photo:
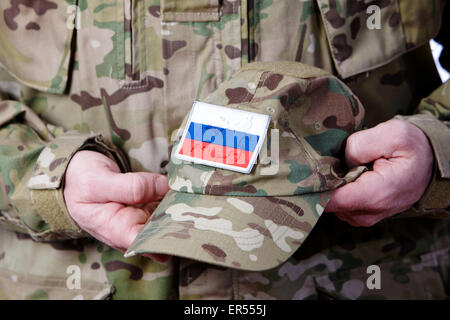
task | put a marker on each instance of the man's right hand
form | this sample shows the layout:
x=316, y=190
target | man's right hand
x=110, y=205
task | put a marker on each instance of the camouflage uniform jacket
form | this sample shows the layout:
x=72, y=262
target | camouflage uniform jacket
x=118, y=77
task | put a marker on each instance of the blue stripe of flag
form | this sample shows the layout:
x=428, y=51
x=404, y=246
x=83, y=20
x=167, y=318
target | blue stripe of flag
x=222, y=137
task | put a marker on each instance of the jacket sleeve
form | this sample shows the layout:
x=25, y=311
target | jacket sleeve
x=433, y=117
x=33, y=158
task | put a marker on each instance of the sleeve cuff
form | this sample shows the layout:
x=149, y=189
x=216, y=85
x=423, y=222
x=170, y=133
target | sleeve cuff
x=436, y=195
x=47, y=181
x=439, y=136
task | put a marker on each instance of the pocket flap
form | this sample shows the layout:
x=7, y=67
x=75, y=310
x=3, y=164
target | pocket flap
x=364, y=35
x=35, y=39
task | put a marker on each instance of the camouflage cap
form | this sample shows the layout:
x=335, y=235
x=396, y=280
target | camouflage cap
x=256, y=221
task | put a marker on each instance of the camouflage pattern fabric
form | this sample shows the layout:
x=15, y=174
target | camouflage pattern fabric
x=256, y=221
x=129, y=70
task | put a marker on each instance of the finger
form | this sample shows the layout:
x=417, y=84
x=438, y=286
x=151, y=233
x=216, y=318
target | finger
x=368, y=145
x=360, y=195
x=118, y=225
x=125, y=225
x=130, y=188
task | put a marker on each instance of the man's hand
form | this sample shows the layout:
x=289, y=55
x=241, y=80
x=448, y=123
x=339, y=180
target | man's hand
x=402, y=166
x=110, y=205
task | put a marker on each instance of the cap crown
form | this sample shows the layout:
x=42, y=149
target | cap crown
x=312, y=113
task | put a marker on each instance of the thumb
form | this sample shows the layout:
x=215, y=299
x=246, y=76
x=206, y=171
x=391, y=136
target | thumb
x=131, y=188
x=368, y=145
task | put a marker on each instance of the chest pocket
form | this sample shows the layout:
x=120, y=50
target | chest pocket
x=48, y=27
x=201, y=47
x=364, y=35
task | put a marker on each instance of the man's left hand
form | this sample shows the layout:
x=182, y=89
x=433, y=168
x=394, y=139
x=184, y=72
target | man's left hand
x=402, y=167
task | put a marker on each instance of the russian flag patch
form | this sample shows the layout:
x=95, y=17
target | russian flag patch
x=223, y=137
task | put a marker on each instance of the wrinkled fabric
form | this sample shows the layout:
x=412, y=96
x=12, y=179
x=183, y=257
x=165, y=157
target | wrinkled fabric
x=129, y=71
x=255, y=221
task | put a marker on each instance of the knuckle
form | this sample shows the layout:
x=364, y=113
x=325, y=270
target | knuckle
x=352, y=145
x=138, y=187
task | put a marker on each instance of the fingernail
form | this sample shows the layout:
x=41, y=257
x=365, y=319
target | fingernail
x=161, y=186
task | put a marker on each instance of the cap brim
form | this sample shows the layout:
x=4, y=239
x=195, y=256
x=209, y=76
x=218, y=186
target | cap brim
x=250, y=233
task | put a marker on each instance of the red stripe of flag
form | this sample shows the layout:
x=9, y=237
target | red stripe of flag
x=215, y=153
